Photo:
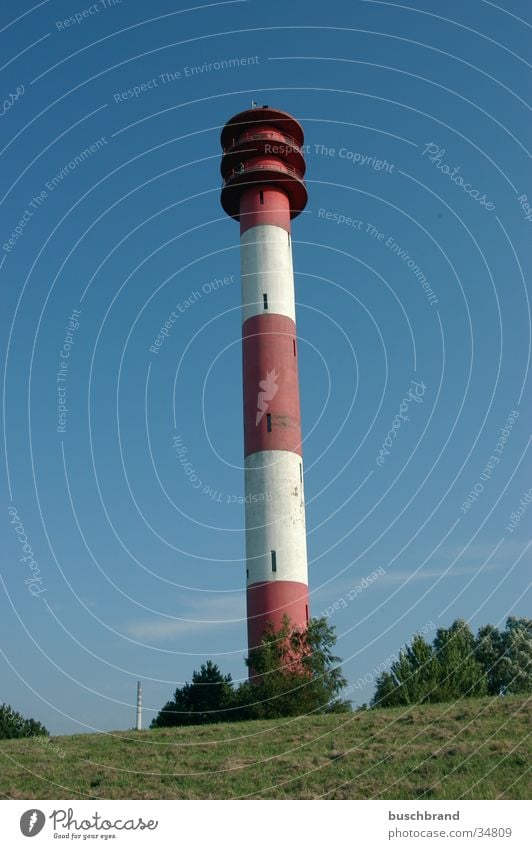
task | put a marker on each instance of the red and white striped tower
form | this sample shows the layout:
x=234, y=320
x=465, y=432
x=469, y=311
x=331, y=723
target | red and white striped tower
x=262, y=169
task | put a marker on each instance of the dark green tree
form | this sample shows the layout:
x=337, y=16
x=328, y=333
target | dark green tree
x=207, y=699
x=13, y=724
x=387, y=691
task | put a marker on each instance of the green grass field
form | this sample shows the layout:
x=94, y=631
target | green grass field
x=474, y=749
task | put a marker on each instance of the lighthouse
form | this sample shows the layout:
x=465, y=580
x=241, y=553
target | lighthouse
x=263, y=189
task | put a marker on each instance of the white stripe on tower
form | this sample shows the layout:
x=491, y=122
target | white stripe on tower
x=275, y=517
x=266, y=268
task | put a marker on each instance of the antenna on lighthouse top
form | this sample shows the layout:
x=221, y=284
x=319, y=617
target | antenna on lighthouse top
x=253, y=104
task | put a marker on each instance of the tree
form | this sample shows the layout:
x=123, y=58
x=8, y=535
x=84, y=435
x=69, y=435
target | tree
x=506, y=656
x=294, y=672
x=412, y=678
x=13, y=724
x=517, y=642
x=459, y=665
x=459, y=672
x=205, y=700
x=387, y=691
x=424, y=674
x=490, y=653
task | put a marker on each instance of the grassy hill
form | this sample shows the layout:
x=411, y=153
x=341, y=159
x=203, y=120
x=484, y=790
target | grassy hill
x=475, y=749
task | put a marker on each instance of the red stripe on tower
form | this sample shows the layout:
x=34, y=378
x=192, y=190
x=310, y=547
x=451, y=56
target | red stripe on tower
x=271, y=386
x=264, y=205
x=263, y=168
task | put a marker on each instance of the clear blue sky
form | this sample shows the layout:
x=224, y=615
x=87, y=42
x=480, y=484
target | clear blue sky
x=417, y=129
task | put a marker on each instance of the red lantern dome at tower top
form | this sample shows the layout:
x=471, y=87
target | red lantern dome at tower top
x=262, y=145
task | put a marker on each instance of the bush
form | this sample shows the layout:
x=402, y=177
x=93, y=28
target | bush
x=13, y=724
